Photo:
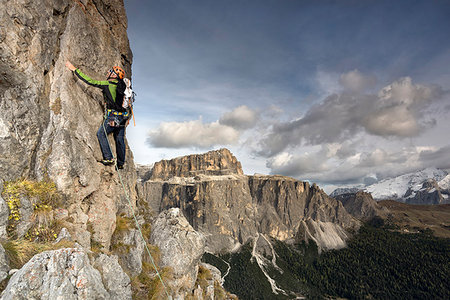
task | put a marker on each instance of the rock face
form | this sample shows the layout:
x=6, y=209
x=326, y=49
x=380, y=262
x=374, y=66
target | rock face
x=181, y=249
x=361, y=205
x=131, y=259
x=4, y=214
x=49, y=118
x=116, y=282
x=220, y=162
x=232, y=209
x=4, y=267
x=67, y=274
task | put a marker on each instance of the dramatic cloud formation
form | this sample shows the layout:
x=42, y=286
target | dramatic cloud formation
x=323, y=165
x=398, y=110
x=241, y=117
x=192, y=134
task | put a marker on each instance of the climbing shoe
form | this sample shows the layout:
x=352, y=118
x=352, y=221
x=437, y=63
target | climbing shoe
x=120, y=167
x=107, y=162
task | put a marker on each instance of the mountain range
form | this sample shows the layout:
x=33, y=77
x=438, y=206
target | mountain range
x=427, y=186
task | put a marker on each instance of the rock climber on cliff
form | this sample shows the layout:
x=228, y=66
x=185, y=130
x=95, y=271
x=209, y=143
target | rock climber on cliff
x=116, y=117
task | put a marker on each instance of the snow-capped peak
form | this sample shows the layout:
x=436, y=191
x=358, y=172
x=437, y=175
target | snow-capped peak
x=445, y=183
x=395, y=188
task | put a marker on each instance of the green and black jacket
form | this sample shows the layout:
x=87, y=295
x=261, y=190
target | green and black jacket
x=109, y=89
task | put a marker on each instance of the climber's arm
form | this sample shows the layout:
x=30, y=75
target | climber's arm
x=86, y=78
x=89, y=80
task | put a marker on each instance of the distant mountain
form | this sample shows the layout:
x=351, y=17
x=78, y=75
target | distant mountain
x=361, y=205
x=396, y=188
x=343, y=191
x=428, y=186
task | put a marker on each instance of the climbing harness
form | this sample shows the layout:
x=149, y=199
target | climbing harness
x=115, y=122
x=135, y=219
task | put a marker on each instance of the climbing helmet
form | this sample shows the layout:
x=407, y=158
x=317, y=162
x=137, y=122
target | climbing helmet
x=118, y=71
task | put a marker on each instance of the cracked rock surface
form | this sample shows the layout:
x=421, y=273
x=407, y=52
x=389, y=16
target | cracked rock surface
x=65, y=274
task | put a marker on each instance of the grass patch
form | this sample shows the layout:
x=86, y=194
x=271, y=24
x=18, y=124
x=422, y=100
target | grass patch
x=19, y=252
x=123, y=224
x=147, y=285
x=44, y=199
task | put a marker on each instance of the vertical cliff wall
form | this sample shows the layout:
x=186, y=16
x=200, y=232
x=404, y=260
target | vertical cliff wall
x=49, y=118
x=231, y=209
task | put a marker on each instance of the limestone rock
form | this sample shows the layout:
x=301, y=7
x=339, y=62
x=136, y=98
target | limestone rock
x=181, y=248
x=4, y=266
x=49, y=118
x=131, y=259
x=219, y=162
x=58, y=274
x=26, y=211
x=63, y=235
x=117, y=283
x=4, y=214
x=144, y=172
x=361, y=205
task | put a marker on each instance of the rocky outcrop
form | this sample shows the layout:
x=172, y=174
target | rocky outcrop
x=232, y=209
x=219, y=162
x=49, y=118
x=68, y=274
x=116, y=282
x=131, y=259
x=362, y=206
x=181, y=249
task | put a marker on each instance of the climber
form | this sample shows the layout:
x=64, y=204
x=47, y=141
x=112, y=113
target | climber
x=116, y=117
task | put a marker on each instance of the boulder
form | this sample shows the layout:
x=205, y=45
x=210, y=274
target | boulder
x=181, y=249
x=67, y=274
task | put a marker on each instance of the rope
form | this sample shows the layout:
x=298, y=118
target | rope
x=134, y=216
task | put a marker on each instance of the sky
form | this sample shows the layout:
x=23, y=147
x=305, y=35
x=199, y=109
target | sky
x=340, y=93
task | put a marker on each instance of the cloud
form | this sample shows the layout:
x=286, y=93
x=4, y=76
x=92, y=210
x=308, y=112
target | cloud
x=241, y=117
x=398, y=110
x=438, y=158
x=355, y=81
x=321, y=164
x=192, y=134
x=314, y=161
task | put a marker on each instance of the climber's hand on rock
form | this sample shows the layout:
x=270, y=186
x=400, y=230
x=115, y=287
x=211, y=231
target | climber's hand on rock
x=70, y=66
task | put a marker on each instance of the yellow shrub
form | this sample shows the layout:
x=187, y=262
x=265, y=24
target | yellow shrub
x=44, y=198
